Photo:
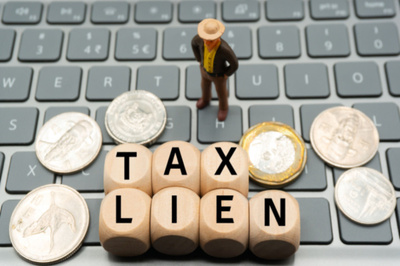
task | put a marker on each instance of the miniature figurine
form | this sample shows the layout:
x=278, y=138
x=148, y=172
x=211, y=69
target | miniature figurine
x=213, y=54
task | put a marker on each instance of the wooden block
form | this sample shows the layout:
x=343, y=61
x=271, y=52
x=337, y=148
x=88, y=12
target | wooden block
x=128, y=166
x=274, y=225
x=124, y=222
x=224, y=223
x=175, y=221
x=224, y=165
x=176, y=164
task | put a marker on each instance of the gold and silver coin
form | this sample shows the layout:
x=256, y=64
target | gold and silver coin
x=365, y=196
x=344, y=137
x=49, y=224
x=68, y=142
x=277, y=153
x=136, y=117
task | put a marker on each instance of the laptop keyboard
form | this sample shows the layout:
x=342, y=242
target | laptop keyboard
x=297, y=58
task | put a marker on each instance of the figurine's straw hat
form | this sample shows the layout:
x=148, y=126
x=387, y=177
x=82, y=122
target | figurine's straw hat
x=210, y=29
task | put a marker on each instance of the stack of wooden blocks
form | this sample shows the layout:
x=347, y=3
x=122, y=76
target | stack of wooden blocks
x=154, y=199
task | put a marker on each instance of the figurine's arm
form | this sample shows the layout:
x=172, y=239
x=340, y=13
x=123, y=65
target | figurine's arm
x=230, y=56
x=195, y=47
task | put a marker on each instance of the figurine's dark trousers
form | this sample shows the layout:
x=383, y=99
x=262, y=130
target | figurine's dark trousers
x=220, y=86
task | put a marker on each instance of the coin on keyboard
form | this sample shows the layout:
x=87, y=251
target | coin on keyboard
x=49, y=224
x=277, y=153
x=68, y=142
x=344, y=137
x=365, y=196
x=136, y=117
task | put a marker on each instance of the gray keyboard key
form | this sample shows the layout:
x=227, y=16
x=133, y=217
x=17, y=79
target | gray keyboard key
x=375, y=9
x=100, y=117
x=357, y=79
x=106, y=83
x=240, y=10
x=327, y=40
x=196, y=11
x=66, y=13
x=89, y=179
x=315, y=220
x=1, y=163
x=59, y=84
x=377, y=39
x=110, y=12
x=313, y=177
x=239, y=39
x=92, y=236
x=210, y=130
x=136, y=44
x=53, y=111
x=6, y=44
x=283, y=10
x=15, y=83
x=279, y=42
x=177, y=43
x=163, y=81
x=329, y=9
x=386, y=118
x=265, y=113
x=353, y=233
x=393, y=77
x=26, y=173
x=308, y=113
x=178, y=125
x=16, y=12
x=40, y=45
x=153, y=12
x=393, y=159
x=6, y=211
x=257, y=82
x=193, y=80
x=375, y=163
x=88, y=44
x=306, y=80
x=18, y=125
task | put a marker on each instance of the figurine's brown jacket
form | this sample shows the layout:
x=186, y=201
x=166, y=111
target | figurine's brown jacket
x=224, y=54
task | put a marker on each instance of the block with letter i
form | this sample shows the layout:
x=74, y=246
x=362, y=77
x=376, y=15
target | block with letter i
x=128, y=166
x=175, y=221
x=176, y=164
x=224, y=223
x=224, y=165
x=274, y=225
x=124, y=222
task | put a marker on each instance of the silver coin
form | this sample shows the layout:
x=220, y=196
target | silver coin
x=344, y=137
x=365, y=196
x=68, y=142
x=136, y=117
x=49, y=224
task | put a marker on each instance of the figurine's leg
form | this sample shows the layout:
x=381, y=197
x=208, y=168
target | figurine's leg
x=205, y=90
x=222, y=92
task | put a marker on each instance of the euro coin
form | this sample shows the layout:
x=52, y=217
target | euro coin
x=344, y=137
x=68, y=142
x=136, y=117
x=277, y=153
x=49, y=224
x=365, y=196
